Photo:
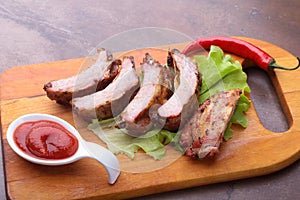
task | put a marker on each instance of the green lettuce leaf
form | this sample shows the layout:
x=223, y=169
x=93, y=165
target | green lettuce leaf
x=118, y=141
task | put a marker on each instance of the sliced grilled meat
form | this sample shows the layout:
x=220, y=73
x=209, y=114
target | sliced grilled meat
x=154, y=89
x=94, y=78
x=112, y=100
x=203, y=134
x=183, y=103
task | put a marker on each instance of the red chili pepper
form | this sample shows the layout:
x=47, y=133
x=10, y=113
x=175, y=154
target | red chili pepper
x=238, y=47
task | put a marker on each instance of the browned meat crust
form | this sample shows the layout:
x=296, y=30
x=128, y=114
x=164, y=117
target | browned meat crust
x=202, y=135
x=154, y=89
x=183, y=103
x=94, y=78
x=110, y=101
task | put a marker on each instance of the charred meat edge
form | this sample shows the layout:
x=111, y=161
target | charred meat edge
x=94, y=78
x=183, y=103
x=204, y=132
x=154, y=90
x=110, y=101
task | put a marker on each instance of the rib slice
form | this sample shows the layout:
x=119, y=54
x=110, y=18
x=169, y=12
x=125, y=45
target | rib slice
x=153, y=90
x=204, y=132
x=110, y=101
x=183, y=103
x=94, y=78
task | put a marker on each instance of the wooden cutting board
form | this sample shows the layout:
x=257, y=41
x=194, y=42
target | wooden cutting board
x=251, y=152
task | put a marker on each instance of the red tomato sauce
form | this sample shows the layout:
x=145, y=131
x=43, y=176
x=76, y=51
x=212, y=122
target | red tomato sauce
x=45, y=139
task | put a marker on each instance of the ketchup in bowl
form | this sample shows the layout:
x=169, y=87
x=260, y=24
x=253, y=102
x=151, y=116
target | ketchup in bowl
x=45, y=139
x=49, y=140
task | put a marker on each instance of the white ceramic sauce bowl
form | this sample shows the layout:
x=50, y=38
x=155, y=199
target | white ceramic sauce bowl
x=85, y=149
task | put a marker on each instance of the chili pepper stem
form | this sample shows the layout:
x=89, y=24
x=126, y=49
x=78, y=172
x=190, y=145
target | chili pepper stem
x=274, y=65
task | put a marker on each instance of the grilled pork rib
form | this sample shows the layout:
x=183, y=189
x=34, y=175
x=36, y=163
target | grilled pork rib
x=203, y=134
x=183, y=103
x=113, y=99
x=154, y=89
x=94, y=78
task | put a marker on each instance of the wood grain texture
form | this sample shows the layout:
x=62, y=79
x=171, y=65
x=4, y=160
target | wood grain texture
x=251, y=152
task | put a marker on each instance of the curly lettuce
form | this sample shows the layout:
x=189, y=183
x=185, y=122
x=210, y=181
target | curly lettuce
x=119, y=141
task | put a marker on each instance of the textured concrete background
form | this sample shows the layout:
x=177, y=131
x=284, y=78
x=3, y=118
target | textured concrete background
x=41, y=31
x=35, y=31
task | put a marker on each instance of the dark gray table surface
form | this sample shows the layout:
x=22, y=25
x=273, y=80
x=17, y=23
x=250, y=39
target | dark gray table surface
x=42, y=31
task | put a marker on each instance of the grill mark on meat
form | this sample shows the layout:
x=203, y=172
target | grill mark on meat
x=112, y=100
x=94, y=78
x=202, y=135
x=168, y=85
x=183, y=103
x=154, y=90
